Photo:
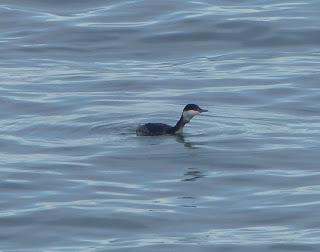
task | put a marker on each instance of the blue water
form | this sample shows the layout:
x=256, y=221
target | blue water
x=76, y=79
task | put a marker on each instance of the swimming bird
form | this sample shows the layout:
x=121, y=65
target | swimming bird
x=157, y=129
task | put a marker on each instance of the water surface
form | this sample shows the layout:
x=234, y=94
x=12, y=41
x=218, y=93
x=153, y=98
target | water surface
x=77, y=77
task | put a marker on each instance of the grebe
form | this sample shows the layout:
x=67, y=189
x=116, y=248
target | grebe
x=157, y=129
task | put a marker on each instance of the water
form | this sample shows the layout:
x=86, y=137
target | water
x=77, y=77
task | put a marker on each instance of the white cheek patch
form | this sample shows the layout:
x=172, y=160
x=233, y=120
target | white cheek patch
x=193, y=112
x=189, y=114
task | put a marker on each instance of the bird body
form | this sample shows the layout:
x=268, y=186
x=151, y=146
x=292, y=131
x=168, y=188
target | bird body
x=157, y=129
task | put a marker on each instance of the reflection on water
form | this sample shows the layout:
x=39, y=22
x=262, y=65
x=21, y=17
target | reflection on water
x=192, y=174
x=181, y=139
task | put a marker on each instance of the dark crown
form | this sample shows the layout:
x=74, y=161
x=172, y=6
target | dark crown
x=191, y=107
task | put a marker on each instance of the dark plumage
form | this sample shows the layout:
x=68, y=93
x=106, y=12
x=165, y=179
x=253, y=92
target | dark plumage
x=156, y=129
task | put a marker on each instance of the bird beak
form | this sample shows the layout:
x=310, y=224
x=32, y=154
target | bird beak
x=203, y=110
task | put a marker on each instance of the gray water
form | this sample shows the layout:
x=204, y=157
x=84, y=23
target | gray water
x=77, y=77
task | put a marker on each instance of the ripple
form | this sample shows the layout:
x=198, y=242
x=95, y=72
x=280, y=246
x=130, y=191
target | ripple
x=260, y=235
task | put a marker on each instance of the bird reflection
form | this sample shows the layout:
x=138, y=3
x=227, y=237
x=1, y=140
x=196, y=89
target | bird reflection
x=192, y=175
x=181, y=139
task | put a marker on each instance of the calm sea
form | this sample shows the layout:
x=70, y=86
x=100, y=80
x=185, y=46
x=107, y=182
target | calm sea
x=77, y=77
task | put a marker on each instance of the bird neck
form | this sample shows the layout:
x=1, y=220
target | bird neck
x=177, y=129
